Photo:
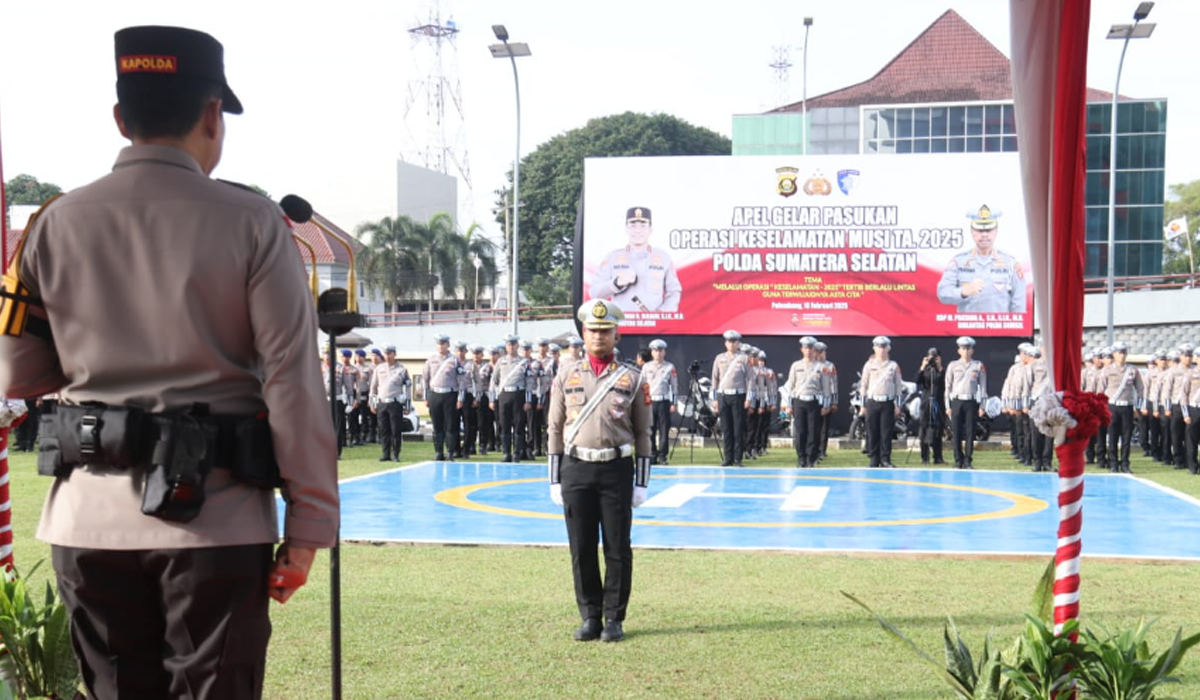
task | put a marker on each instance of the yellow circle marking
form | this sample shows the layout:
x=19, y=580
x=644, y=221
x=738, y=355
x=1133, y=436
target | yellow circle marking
x=460, y=497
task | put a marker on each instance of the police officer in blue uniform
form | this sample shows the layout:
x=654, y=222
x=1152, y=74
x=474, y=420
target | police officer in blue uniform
x=984, y=279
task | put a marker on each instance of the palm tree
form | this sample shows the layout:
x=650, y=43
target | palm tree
x=484, y=250
x=385, y=263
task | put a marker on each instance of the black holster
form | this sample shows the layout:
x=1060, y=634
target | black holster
x=176, y=450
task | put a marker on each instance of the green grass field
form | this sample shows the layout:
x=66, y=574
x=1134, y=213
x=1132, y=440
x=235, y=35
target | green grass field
x=496, y=622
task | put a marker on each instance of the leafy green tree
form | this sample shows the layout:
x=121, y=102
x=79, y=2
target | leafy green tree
x=1184, y=200
x=406, y=259
x=27, y=189
x=552, y=179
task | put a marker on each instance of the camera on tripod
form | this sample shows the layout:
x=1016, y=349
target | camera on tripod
x=694, y=368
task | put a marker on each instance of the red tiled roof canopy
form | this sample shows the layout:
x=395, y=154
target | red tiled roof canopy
x=328, y=251
x=948, y=62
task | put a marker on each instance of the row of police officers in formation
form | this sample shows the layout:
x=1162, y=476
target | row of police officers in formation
x=1164, y=399
x=480, y=400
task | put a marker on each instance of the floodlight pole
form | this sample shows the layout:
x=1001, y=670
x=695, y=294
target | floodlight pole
x=808, y=21
x=512, y=52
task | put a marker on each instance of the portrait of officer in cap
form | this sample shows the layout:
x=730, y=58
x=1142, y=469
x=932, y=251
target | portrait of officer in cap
x=984, y=279
x=165, y=557
x=599, y=463
x=637, y=276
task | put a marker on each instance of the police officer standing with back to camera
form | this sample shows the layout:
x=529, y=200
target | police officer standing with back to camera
x=882, y=385
x=767, y=393
x=511, y=382
x=445, y=388
x=663, y=381
x=731, y=396
x=162, y=518
x=966, y=390
x=1123, y=386
x=1043, y=447
x=931, y=382
x=391, y=391
x=599, y=440
x=1010, y=393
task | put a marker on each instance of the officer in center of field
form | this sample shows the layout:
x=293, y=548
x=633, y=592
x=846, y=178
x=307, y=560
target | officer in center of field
x=663, y=381
x=482, y=406
x=808, y=392
x=966, y=390
x=599, y=420
x=983, y=279
x=882, y=385
x=511, y=383
x=1126, y=393
x=731, y=396
x=445, y=387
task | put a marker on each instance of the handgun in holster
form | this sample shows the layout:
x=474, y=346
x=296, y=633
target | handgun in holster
x=179, y=466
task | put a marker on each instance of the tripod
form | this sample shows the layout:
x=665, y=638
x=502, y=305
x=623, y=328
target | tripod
x=692, y=407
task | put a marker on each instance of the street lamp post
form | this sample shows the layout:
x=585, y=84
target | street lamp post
x=804, y=90
x=476, y=262
x=513, y=52
x=1124, y=32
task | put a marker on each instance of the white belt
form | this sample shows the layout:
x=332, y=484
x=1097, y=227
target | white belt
x=1121, y=403
x=731, y=391
x=604, y=454
x=880, y=399
x=392, y=400
x=514, y=388
x=660, y=398
x=1192, y=405
x=962, y=397
x=808, y=397
x=441, y=390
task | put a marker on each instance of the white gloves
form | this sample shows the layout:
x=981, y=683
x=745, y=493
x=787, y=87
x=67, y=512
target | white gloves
x=639, y=495
x=556, y=494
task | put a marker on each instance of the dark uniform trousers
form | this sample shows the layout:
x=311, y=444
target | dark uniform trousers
x=962, y=428
x=485, y=423
x=806, y=427
x=1178, y=440
x=825, y=421
x=445, y=421
x=27, y=431
x=339, y=424
x=733, y=425
x=470, y=425
x=752, y=422
x=1027, y=432
x=1148, y=434
x=660, y=429
x=512, y=422
x=1120, y=431
x=1166, y=453
x=1041, y=447
x=209, y=605
x=391, y=427
x=1101, y=443
x=881, y=418
x=1192, y=434
x=597, y=499
x=535, y=422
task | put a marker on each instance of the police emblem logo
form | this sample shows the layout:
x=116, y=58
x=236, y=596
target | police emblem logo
x=573, y=414
x=599, y=310
x=786, y=177
x=847, y=180
x=817, y=186
x=624, y=382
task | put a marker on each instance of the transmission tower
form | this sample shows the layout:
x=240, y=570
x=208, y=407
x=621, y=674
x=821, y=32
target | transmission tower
x=781, y=67
x=434, y=118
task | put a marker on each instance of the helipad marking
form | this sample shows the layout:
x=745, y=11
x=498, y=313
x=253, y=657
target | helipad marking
x=1020, y=504
x=675, y=496
x=809, y=498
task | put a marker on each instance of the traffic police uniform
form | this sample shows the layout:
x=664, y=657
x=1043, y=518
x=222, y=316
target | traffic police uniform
x=391, y=392
x=882, y=386
x=807, y=388
x=1043, y=447
x=1122, y=384
x=767, y=393
x=482, y=408
x=1179, y=385
x=134, y=331
x=966, y=390
x=831, y=370
x=1148, y=418
x=599, y=441
x=344, y=386
x=445, y=389
x=753, y=412
x=360, y=420
x=638, y=280
x=512, y=380
x=534, y=415
x=1187, y=390
x=1011, y=396
x=663, y=381
x=547, y=365
x=732, y=392
x=1000, y=273
x=466, y=414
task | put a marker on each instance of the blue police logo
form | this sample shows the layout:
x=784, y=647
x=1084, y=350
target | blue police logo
x=847, y=180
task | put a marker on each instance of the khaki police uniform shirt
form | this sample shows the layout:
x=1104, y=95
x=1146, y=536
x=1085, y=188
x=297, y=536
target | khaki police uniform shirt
x=1187, y=389
x=1003, y=283
x=966, y=379
x=548, y=368
x=512, y=373
x=662, y=380
x=391, y=382
x=165, y=289
x=1123, y=385
x=362, y=386
x=1163, y=395
x=1153, y=375
x=655, y=288
x=812, y=379
x=622, y=416
x=881, y=379
x=731, y=375
x=1040, y=378
x=445, y=374
x=483, y=379
x=1015, y=388
x=343, y=382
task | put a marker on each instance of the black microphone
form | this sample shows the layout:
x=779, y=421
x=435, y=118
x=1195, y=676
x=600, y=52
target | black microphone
x=296, y=207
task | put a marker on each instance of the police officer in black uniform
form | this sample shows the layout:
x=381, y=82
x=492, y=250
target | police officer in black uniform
x=931, y=382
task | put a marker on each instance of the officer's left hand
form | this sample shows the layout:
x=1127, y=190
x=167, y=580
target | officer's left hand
x=639, y=495
x=747, y=404
x=458, y=405
x=672, y=408
x=897, y=411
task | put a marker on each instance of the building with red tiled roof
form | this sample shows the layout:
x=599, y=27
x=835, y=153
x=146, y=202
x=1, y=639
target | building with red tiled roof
x=950, y=91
